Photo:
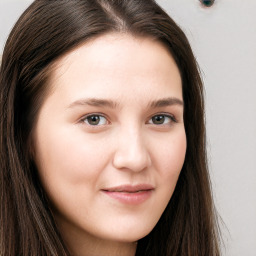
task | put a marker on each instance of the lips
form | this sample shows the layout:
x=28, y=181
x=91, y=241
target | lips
x=130, y=194
x=130, y=188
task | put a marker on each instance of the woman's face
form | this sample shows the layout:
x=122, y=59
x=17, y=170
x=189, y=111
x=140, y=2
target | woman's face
x=110, y=142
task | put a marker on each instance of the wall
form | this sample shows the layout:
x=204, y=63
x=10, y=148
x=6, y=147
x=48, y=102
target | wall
x=224, y=41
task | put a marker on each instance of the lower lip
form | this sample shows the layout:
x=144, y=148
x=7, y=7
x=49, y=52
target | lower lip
x=130, y=198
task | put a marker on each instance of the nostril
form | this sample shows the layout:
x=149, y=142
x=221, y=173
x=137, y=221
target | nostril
x=207, y=3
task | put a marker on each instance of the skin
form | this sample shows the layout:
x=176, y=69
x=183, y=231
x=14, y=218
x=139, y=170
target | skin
x=77, y=159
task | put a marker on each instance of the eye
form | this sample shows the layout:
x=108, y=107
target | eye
x=162, y=119
x=95, y=120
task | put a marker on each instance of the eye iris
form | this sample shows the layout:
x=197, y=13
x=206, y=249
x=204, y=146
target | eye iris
x=158, y=119
x=93, y=120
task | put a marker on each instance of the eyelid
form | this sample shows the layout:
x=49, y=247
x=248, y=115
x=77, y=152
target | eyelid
x=82, y=120
x=171, y=116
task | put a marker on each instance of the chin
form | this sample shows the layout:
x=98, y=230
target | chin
x=131, y=235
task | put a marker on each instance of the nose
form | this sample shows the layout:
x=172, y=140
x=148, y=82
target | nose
x=131, y=152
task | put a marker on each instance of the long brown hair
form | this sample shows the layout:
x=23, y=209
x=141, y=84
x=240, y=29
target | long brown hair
x=46, y=31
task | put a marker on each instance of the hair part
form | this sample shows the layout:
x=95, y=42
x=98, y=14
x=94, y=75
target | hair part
x=45, y=32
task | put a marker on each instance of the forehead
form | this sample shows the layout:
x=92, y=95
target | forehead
x=115, y=65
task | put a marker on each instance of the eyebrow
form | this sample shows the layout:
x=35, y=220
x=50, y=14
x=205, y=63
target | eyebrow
x=95, y=102
x=166, y=102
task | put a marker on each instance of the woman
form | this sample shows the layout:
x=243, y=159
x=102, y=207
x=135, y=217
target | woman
x=102, y=134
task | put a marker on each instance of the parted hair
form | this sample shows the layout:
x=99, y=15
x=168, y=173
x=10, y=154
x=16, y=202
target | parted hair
x=47, y=30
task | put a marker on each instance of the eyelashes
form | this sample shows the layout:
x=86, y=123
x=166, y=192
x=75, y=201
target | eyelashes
x=161, y=119
x=95, y=120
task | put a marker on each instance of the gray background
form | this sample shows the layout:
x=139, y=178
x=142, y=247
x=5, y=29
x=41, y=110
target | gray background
x=224, y=41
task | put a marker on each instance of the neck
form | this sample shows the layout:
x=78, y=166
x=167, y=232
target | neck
x=96, y=247
x=81, y=243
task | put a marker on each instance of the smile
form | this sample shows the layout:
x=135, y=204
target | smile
x=128, y=194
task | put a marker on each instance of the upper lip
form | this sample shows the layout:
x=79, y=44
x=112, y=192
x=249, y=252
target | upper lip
x=130, y=188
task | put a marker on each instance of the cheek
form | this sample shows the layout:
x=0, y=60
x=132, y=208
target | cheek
x=67, y=161
x=70, y=168
x=171, y=156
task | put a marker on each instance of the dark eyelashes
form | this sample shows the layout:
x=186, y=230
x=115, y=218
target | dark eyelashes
x=159, y=119
x=95, y=119
x=172, y=117
x=99, y=119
